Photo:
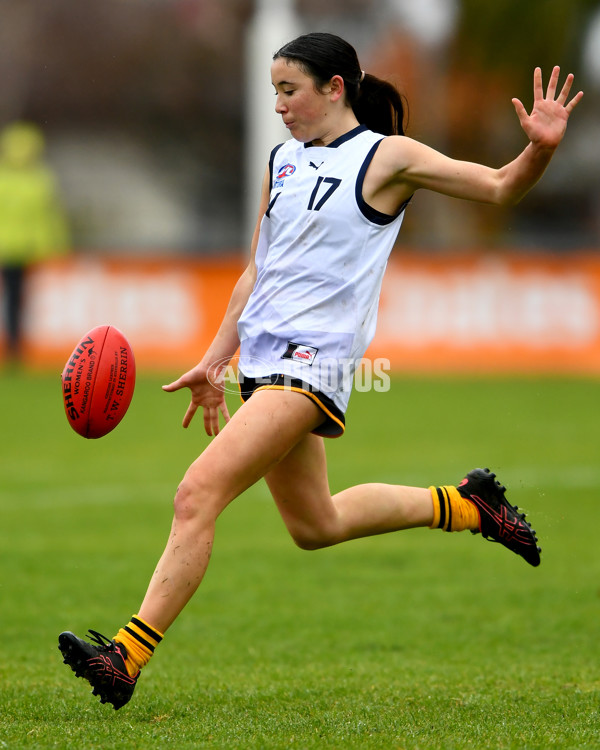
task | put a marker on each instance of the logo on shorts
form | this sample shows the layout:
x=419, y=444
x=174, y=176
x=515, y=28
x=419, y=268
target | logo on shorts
x=300, y=353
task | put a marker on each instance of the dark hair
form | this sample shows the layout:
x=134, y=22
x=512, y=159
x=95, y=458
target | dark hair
x=375, y=102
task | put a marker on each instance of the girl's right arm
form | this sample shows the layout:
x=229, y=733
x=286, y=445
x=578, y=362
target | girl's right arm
x=203, y=379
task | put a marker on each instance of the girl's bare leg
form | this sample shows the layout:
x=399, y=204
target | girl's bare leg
x=259, y=435
x=316, y=519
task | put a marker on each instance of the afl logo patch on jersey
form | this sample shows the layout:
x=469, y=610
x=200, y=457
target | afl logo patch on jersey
x=286, y=171
x=300, y=353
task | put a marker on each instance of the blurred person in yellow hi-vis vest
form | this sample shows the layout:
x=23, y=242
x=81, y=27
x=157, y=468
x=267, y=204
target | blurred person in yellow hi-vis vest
x=33, y=225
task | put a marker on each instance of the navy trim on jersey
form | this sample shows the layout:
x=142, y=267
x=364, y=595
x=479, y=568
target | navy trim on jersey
x=370, y=213
x=271, y=161
x=342, y=139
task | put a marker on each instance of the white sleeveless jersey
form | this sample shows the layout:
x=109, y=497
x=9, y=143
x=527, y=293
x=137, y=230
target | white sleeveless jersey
x=321, y=256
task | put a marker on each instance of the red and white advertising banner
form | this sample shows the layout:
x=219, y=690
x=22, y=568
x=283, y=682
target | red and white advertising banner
x=501, y=313
x=169, y=309
x=505, y=313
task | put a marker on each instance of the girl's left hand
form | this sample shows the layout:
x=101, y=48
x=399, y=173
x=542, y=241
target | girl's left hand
x=546, y=125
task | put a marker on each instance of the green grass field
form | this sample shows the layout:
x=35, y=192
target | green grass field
x=414, y=640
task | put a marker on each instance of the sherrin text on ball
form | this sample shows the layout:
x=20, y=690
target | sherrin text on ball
x=98, y=381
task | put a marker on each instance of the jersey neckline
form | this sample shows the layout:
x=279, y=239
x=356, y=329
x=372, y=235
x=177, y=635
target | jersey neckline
x=342, y=139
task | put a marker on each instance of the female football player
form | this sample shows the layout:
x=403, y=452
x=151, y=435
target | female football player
x=303, y=313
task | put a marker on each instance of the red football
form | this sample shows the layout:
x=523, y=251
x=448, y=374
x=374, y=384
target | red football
x=98, y=382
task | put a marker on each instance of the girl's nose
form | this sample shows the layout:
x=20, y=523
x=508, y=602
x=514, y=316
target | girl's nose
x=280, y=107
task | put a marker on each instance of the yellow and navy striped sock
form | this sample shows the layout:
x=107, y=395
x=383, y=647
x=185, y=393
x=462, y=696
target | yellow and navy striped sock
x=451, y=511
x=140, y=639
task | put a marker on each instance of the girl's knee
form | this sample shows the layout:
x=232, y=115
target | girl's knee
x=196, y=498
x=312, y=538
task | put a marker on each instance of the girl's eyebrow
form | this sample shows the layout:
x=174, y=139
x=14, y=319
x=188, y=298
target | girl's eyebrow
x=283, y=83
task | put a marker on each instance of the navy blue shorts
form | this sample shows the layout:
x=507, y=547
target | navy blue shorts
x=334, y=423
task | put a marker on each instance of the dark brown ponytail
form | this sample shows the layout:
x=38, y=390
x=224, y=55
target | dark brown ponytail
x=380, y=106
x=376, y=103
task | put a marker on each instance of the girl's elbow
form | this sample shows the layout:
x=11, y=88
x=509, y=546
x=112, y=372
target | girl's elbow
x=509, y=200
x=507, y=196
x=509, y=190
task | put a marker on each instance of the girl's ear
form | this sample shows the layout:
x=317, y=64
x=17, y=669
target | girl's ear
x=336, y=88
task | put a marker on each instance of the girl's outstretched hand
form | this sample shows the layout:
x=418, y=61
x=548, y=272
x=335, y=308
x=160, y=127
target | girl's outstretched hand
x=207, y=391
x=546, y=125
